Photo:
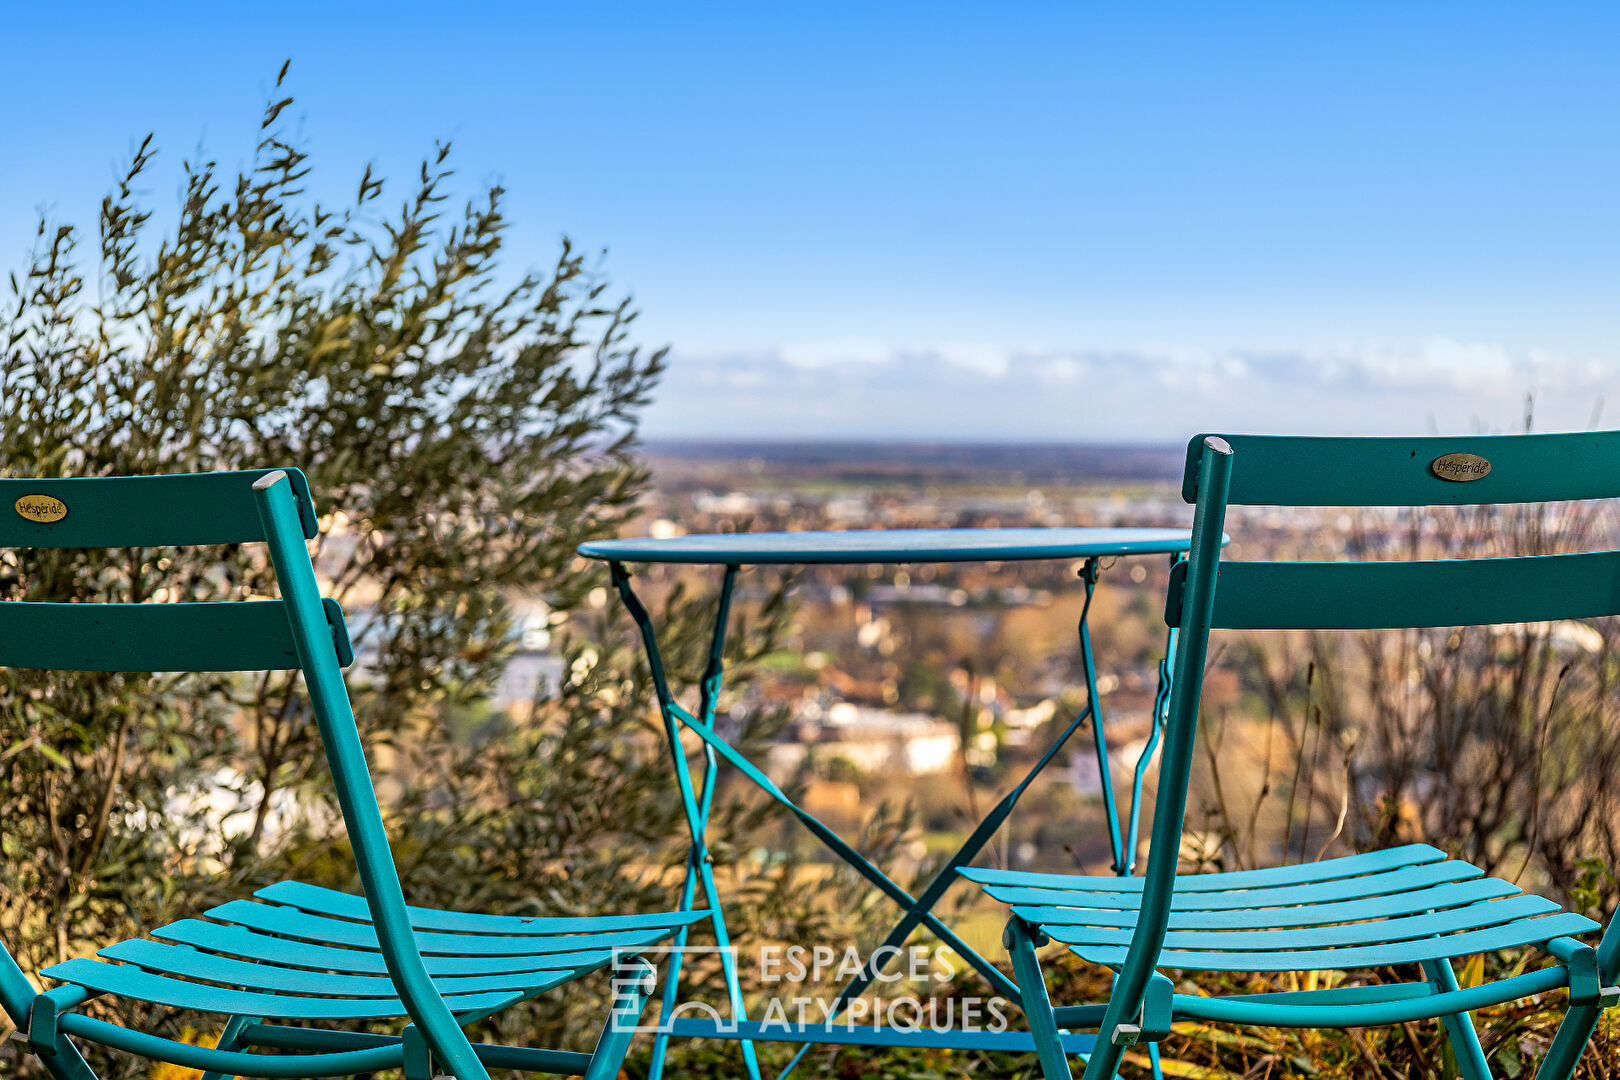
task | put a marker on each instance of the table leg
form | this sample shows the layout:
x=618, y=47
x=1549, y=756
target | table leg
x=1161, y=713
x=1088, y=573
x=696, y=805
x=936, y=888
x=840, y=847
x=672, y=975
x=673, y=713
x=919, y=910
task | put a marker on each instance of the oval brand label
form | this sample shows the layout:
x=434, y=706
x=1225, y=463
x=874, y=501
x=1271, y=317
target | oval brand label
x=41, y=509
x=1460, y=467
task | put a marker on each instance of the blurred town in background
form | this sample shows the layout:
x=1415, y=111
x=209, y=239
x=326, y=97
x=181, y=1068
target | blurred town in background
x=933, y=687
x=929, y=683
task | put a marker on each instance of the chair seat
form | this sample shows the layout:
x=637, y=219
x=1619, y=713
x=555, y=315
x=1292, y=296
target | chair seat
x=1404, y=905
x=301, y=952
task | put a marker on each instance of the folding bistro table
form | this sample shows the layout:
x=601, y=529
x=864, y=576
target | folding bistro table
x=731, y=551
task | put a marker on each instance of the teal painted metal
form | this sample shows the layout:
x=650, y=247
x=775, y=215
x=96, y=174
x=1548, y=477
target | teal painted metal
x=16, y=992
x=633, y=983
x=699, y=871
x=1175, y=759
x=1385, y=906
x=1581, y=1020
x=986, y=830
x=343, y=1052
x=1426, y=1006
x=1471, y=1063
x=946, y=876
x=857, y=546
x=288, y=922
x=1385, y=595
x=1381, y=884
x=320, y=901
x=543, y=953
x=494, y=1055
x=232, y=1063
x=1341, y=995
x=298, y=953
x=1406, y=928
x=845, y=851
x=249, y=635
x=845, y=1034
x=1407, y=905
x=126, y=980
x=1021, y=940
x=1348, y=866
x=1161, y=713
x=1290, y=470
x=191, y=964
x=356, y=798
x=1536, y=931
x=666, y=1003
x=230, y=1039
x=1105, y=772
x=938, y=545
x=201, y=509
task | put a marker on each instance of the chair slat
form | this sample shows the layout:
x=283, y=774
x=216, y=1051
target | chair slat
x=252, y=635
x=1511, y=935
x=325, y=931
x=278, y=978
x=1385, y=595
x=545, y=952
x=313, y=898
x=1297, y=874
x=142, y=511
x=132, y=982
x=1286, y=470
x=1376, y=932
x=1399, y=881
x=1454, y=894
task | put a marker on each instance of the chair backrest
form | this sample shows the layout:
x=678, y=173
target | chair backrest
x=300, y=631
x=1265, y=470
x=149, y=511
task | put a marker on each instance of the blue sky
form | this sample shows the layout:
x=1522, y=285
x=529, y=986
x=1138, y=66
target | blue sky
x=1078, y=221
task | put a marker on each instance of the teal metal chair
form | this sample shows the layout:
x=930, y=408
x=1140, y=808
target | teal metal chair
x=1407, y=906
x=283, y=968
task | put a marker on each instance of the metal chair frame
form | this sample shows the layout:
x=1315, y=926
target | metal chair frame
x=280, y=965
x=1406, y=905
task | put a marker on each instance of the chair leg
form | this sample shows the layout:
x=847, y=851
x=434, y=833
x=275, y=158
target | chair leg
x=633, y=984
x=230, y=1039
x=1037, y=1006
x=1471, y=1064
x=1570, y=1042
x=1104, y=1061
x=54, y=1050
x=66, y=1063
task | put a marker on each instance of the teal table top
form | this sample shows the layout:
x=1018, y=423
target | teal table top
x=888, y=546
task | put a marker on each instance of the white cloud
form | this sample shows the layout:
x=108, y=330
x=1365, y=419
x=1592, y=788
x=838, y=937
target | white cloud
x=835, y=352
x=866, y=389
